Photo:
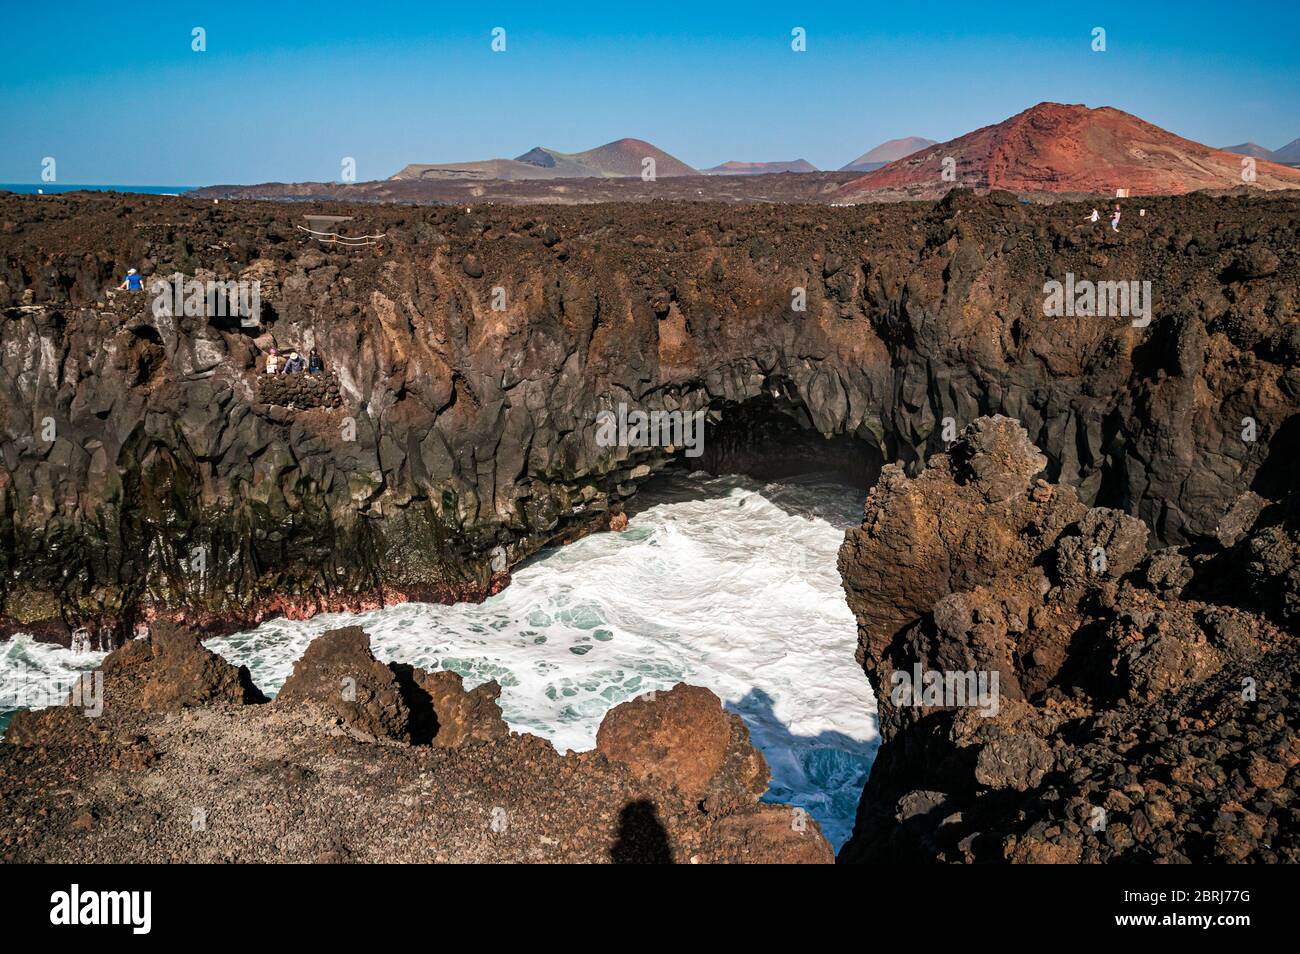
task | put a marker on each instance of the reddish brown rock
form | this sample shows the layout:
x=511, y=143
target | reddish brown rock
x=444, y=714
x=63, y=725
x=684, y=737
x=172, y=670
x=772, y=835
x=1265, y=774
x=339, y=673
x=968, y=518
x=168, y=671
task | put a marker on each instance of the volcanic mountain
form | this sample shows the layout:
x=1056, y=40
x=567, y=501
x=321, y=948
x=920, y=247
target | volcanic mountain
x=1060, y=148
x=1288, y=154
x=623, y=157
x=735, y=168
x=886, y=153
x=1249, y=149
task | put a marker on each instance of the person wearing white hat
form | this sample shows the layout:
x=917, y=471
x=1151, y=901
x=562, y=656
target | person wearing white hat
x=132, y=282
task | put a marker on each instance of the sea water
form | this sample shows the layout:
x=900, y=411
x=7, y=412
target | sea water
x=724, y=582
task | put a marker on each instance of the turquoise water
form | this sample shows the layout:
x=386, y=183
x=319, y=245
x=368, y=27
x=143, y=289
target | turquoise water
x=54, y=188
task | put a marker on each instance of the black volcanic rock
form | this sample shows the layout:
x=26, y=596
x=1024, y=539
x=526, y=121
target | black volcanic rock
x=472, y=351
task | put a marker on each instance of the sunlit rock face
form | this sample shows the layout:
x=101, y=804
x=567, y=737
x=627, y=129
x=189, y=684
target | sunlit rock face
x=1049, y=690
x=474, y=351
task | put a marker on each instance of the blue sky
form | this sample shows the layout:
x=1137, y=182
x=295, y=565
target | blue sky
x=116, y=95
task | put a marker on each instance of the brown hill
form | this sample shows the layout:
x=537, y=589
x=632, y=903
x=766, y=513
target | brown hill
x=1054, y=147
x=620, y=158
x=625, y=156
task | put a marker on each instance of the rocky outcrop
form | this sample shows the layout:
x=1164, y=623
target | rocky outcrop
x=357, y=760
x=684, y=737
x=339, y=673
x=1093, y=701
x=298, y=391
x=142, y=477
x=171, y=670
x=167, y=672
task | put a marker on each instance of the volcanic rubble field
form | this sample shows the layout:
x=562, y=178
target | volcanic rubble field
x=1113, y=532
x=360, y=761
x=775, y=187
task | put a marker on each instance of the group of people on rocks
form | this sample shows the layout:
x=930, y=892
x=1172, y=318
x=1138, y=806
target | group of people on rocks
x=1114, y=218
x=294, y=363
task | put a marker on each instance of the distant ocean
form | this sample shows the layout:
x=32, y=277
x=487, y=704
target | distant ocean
x=51, y=188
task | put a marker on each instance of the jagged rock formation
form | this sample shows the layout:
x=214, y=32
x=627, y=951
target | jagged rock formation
x=1145, y=705
x=168, y=672
x=357, y=760
x=338, y=672
x=141, y=476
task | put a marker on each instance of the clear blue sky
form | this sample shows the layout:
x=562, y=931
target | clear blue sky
x=114, y=92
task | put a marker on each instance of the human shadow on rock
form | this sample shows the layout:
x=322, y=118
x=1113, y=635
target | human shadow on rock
x=642, y=839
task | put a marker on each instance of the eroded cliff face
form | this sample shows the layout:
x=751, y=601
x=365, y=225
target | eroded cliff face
x=1102, y=701
x=143, y=473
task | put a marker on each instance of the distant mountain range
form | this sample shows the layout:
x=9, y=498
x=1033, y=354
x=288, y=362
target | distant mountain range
x=1288, y=155
x=886, y=153
x=1054, y=147
x=1048, y=148
x=734, y=168
x=623, y=157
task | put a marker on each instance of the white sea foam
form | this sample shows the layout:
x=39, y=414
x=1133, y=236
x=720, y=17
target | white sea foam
x=34, y=675
x=723, y=582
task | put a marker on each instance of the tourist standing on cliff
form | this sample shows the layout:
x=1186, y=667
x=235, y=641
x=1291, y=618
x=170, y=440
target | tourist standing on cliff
x=314, y=363
x=272, y=362
x=1114, y=219
x=133, y=281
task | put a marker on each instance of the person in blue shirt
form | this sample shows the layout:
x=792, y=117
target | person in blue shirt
x=132, y=282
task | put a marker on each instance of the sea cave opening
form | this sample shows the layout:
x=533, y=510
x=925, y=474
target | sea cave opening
x=725, y=578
